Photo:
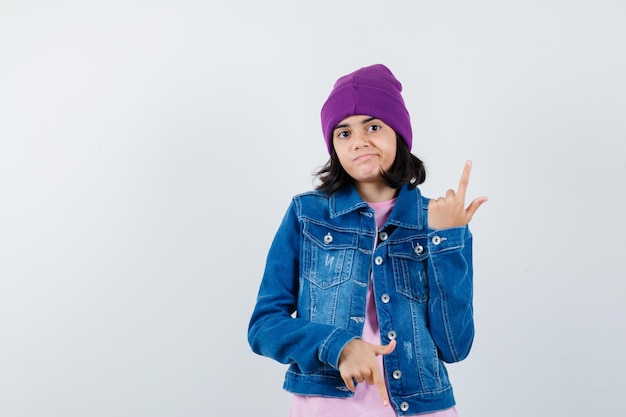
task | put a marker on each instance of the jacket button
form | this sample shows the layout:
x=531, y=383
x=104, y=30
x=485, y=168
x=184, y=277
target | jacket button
x=419, y=249
x=436, y=240
x=404, y=406
x=385, y=298
x=391, y=334
x=397, y=374
x=383, y=236
x=378, y=260
x=328, y=238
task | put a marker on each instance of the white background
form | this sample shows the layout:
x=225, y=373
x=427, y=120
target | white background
x=148, y=150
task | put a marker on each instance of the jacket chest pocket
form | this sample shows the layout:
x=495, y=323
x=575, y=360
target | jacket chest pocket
x=409, y=260
x=327, y=255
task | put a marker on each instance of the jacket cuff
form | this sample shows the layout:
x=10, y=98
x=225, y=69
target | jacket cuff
x=330, y=349
x=447, y=239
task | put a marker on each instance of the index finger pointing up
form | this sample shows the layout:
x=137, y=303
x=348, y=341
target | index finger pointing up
x=464, y=179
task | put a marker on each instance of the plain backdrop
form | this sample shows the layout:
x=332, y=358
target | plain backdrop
x=149, y=149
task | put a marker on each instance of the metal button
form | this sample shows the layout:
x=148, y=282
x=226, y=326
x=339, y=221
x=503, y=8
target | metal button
x=328, y=238
x=378, y=260
x=419, y=249
x=436, y=240
x=383, y=236
x=404, y=406
x=391, y=334
x=397, y=374
x=385, y=298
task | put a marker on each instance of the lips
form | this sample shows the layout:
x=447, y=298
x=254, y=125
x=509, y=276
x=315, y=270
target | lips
x=365, y=156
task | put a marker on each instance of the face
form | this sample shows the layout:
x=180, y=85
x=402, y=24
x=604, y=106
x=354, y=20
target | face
x=365, y=146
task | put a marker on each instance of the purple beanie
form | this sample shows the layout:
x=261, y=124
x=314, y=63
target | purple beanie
x=370, y=91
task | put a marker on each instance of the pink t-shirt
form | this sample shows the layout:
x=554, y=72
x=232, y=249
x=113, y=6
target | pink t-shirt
x=366, y=401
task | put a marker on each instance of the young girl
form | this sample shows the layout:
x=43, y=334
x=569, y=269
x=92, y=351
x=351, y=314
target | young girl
x=367, y=289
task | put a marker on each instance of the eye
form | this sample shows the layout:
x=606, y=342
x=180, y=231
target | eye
x=342, y=134
x=373, y=128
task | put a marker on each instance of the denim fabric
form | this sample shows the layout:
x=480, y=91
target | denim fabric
x=311, y=301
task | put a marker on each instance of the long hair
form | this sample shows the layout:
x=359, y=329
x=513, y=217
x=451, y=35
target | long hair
x=406, y=169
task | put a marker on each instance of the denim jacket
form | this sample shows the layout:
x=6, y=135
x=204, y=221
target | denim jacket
x=312, y=297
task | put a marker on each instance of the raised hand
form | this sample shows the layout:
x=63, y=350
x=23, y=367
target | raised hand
x=358, y=363
x=449, y=211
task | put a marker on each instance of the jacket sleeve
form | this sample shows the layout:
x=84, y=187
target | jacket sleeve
x=273, y=330
x=451, y=292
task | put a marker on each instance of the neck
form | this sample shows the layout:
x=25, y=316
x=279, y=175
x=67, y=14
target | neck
x=375, y=192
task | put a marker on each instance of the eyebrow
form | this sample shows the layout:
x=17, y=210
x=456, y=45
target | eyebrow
x=340, y=126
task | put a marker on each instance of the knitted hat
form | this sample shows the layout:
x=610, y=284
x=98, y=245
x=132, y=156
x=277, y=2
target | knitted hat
x=369, y=91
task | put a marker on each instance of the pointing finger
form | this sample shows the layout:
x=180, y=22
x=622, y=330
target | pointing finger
x=380, y=386
x=378, y=379
x=464, y=179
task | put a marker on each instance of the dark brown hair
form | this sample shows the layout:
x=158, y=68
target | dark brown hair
x=406, y=169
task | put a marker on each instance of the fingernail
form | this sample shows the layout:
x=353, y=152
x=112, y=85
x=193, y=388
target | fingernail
x=385, y=403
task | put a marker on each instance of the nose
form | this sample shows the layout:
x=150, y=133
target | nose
x=360, y=140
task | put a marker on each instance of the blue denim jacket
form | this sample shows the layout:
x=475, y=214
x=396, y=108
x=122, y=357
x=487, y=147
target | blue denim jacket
x=311, y=302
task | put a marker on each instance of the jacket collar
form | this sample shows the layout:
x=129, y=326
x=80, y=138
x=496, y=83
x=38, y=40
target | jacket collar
x=345, y=200
x=409, y=210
